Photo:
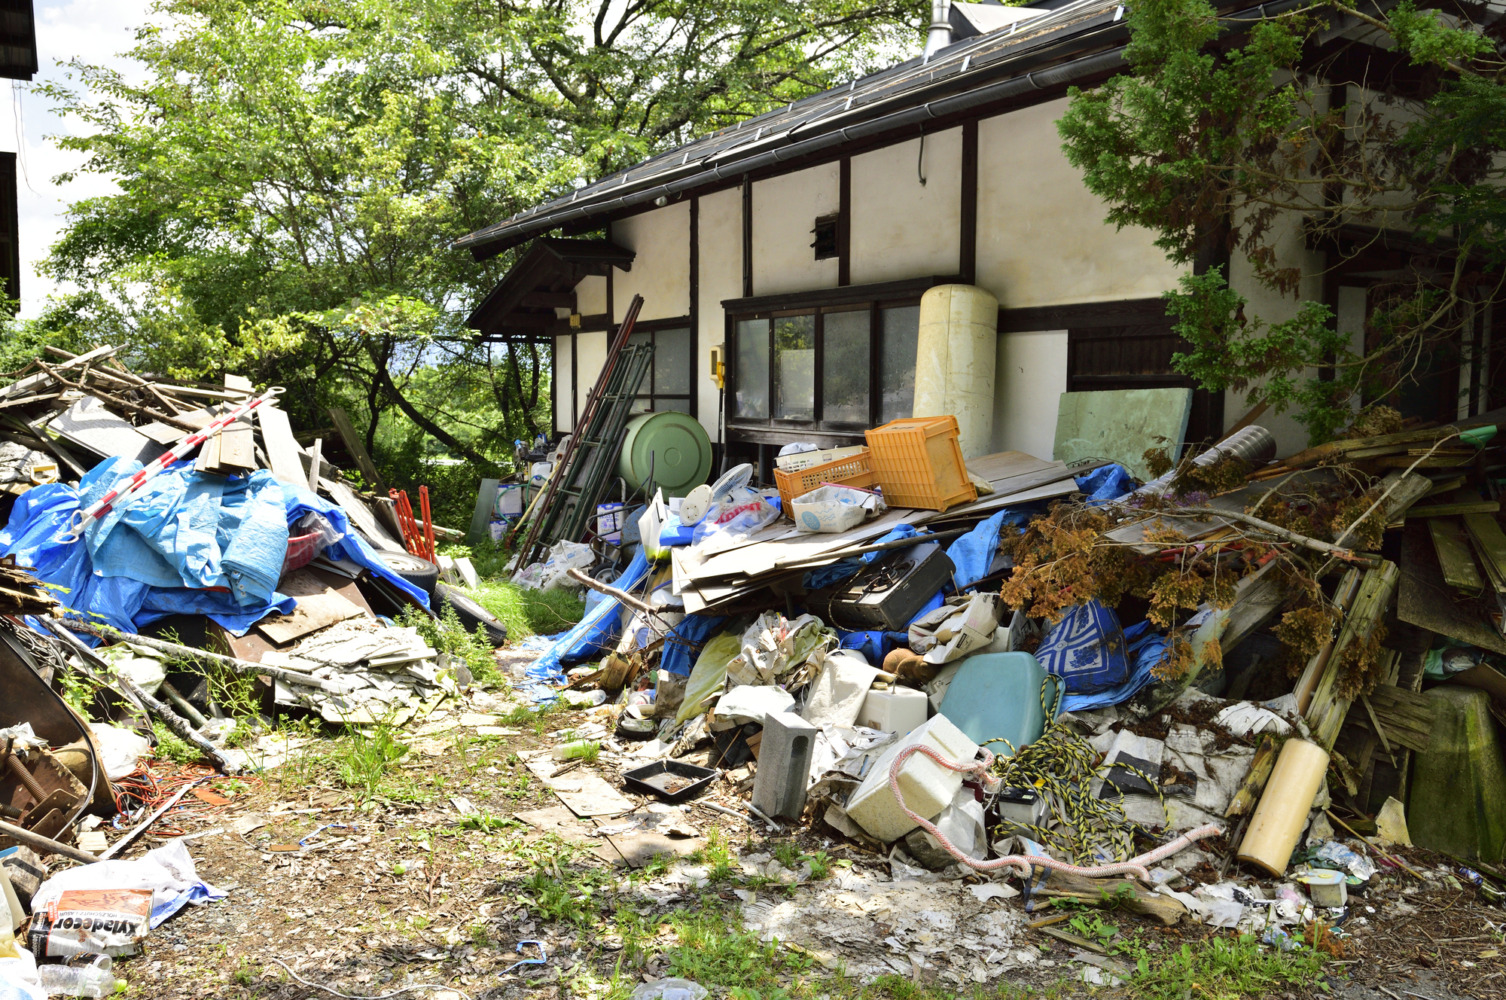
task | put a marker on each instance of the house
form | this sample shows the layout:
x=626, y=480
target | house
x=797, y=245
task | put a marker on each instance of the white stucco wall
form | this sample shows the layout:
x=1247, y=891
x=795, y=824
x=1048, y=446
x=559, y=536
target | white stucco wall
x=591, y=355
x=591, y=295
x=1272, y=307
x=1031, y=375
x=785, y=210
x=900, y=227
x=559, y=385
x=721, y=277
x=1041, y=235
x=661, y=271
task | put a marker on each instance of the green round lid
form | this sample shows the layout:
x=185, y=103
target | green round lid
x=672, y=446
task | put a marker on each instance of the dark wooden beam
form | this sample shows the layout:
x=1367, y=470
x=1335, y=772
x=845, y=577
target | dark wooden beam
x=910, y=288
x=844, y=223
x=747, y=237
x=967, y=249
x=1124, y=312
x=695, y=299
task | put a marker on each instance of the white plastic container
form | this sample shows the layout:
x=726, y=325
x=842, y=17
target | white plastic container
x=898, y=710
x=927, y=786
x=956, y=352
x=1327, y=888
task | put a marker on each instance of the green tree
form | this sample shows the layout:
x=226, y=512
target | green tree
x=1217, y=141
x=293, y=172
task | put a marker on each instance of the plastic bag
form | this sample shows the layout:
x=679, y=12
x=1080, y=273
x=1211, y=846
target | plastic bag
x=553, y=572
x=731, y=519
x=107, y=908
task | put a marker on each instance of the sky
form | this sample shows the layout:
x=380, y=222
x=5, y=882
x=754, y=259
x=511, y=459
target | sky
x=96, y=31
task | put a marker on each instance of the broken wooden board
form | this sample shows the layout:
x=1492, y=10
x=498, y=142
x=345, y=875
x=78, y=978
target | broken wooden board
x=283, y=453
x=1454, y=555
x=1458, y=502
x=1406, y=717
x=360, y=515
x=356, y=447
x=319, y=606
x=1490, y=544
x=565, y=825
x=584, y=791
x=1425, y=600
x=89, y=424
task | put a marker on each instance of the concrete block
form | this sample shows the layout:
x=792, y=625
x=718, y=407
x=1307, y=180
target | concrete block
x=784, y=765
x=928, y=787
x=1457, y=798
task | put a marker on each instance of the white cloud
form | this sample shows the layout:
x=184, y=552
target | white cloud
x=96, y=31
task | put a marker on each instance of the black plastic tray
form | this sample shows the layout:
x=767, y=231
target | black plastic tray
x=657, y=778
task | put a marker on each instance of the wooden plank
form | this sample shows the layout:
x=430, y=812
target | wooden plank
x=316, y=459
x=238, y=444
x=1424, y=600
x=319, y=606
x=356, y=448
x=282, y=449
x=361, y=516
x=31, y=383
x=239, y=384
x=1490, y=543
x=1454, y=555
x=1459, y=502
x=1254, y=780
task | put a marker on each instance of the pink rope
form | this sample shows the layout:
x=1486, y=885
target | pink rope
x=1022, y=863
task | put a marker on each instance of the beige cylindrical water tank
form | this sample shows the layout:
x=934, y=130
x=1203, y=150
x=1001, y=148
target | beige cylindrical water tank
x=1282, y=814
x=955, y=355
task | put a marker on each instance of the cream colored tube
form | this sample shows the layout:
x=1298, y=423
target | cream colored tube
x=1282, y=813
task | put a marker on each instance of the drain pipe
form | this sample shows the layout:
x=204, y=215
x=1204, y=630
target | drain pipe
x=939, y=35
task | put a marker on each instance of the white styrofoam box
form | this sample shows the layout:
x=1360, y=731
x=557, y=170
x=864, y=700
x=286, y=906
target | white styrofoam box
x=927, y=786
x=898, y=710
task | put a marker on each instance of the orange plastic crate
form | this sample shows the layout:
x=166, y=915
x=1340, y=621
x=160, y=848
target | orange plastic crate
x=854, y=470
x=918, y=463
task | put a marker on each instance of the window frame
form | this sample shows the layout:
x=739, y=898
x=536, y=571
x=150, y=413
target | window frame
x=653, y=328
x=873, y=299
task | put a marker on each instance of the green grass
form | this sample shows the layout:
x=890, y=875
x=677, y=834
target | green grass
x=173, y=747
x=361, y=761
x=530, y=612
x=1224, y=968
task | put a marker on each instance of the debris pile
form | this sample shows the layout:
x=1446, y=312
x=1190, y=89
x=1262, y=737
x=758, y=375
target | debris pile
x=1224, y=670
x=175, y=563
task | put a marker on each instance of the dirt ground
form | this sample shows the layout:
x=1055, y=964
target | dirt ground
x=402, y=883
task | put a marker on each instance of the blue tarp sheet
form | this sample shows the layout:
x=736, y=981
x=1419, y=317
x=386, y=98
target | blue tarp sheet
x=685, y=640
x=1106, y=484
x=158, y=554
x=594, y=634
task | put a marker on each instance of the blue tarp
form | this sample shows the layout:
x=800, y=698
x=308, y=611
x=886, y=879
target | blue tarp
x=158, y=554
x=685, y=640
x=1106, y=484
x=594, y=634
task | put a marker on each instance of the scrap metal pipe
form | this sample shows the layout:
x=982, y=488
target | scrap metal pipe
x=45, y=845
x=244, y=667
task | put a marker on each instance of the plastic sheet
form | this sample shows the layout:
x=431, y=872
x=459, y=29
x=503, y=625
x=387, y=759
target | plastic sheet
x=685, y=641
x=197, y=520
x=1106, y=484
x=595, y=633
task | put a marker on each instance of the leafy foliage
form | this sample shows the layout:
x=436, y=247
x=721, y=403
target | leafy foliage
x=1259, y=142
x=292, y=174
